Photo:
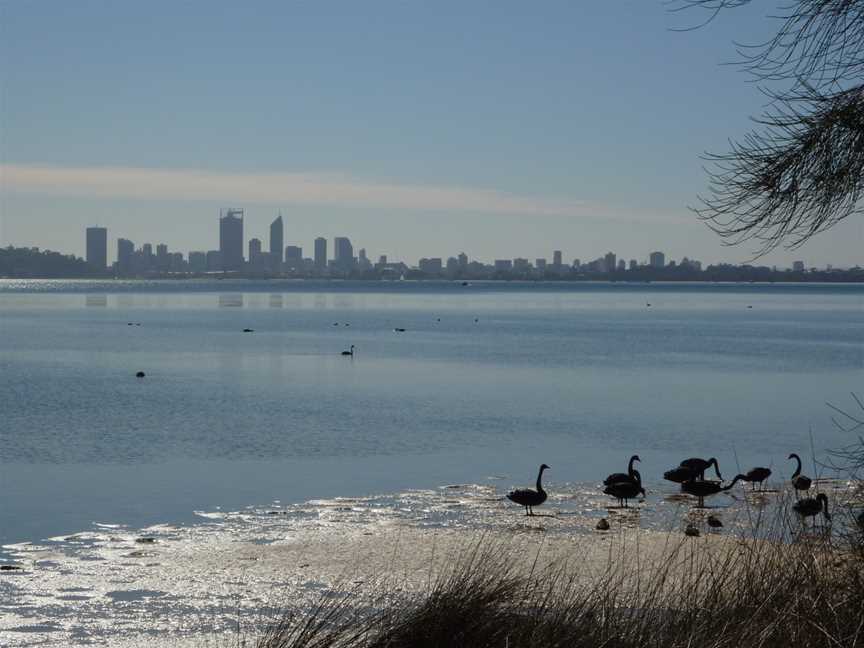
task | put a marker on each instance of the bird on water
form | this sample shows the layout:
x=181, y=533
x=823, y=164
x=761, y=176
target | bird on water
x=625, y=490
x=699, y=466
x=350, y=352
x=756, y=476
x=631, y=475
x=701, y=489
x=812, y=506
x=529, y=497
x=799, y=482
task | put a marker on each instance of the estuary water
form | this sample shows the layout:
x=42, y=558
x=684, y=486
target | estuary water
x=487, y=379
x=430, y=425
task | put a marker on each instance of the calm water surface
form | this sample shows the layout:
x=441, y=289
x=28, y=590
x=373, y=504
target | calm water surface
x=487, y=380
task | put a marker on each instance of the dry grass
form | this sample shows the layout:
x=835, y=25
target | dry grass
x=705, y=591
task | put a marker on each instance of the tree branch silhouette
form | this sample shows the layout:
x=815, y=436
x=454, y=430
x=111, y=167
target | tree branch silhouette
x=801, y=171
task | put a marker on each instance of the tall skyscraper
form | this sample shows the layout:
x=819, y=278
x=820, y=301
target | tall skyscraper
x=343, y=253
x=125, y=252
x=609, y=261
x=231, y=238
x=163, y=261
x=657, y=259
x=277, y=240
x=97, y=247
x=557, y=258
x=320, y=253
x=293, y=257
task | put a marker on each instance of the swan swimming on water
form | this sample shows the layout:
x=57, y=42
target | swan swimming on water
x=528, y=497
x=350, y=352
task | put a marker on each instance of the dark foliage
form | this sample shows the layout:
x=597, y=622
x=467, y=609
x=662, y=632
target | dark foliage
x=801, y=171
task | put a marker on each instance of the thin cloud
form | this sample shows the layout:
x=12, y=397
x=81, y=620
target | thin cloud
x=269, y=188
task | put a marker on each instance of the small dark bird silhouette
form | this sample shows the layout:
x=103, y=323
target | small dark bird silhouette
x=140, y=374
x=630, y=475
x=702, y=489
x=799, y=482
x=699, y=466
x=625, y=490
x=812, y=506
x=679, y=475
x=691, y=531
x=528, y=497
x=350, y=352
x=757, y=476
x=714, y=522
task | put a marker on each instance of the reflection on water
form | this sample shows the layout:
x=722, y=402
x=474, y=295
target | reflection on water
x=97, y=301
x=231, y=300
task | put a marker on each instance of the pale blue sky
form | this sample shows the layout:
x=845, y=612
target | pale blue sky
x=416, y=128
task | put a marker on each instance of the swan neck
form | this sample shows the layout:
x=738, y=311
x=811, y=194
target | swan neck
x=539, y=479
x=798, y=469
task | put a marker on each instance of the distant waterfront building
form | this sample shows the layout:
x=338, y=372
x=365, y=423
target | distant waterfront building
x=197, y=262
x=657, y=260
x=382, y=260
x=622, y=265
x=634, y=264
x=277, y=236
x=163, y=262
x=556, y=259
x=798, y=266
x=254, y=249
x=609, y=262
x=363, y=261
x=463, y=260
x=431, y=266
x=540, y=264
x=503, y=265
x=577, y=264
x=293, y=257
x=321, y=253
x=214, y=261
x=231, y=238
x=343, y=253
x=125, y=256
x=522, y=265
x=97, y=247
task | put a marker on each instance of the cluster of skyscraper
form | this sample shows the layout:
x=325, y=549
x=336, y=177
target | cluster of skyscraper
x=278, y=259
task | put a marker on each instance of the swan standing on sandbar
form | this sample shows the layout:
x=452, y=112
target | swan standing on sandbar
x=757, y=476
x=350, y=352
x=702, y=489
x=812, y=506
x=530, y=498
x=799, y=482
x=699, y=466
x=625, y=490
x=679, y=475
x=631, y=475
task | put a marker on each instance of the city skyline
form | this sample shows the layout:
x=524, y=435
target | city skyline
x=585, y=124
x=277, y=258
